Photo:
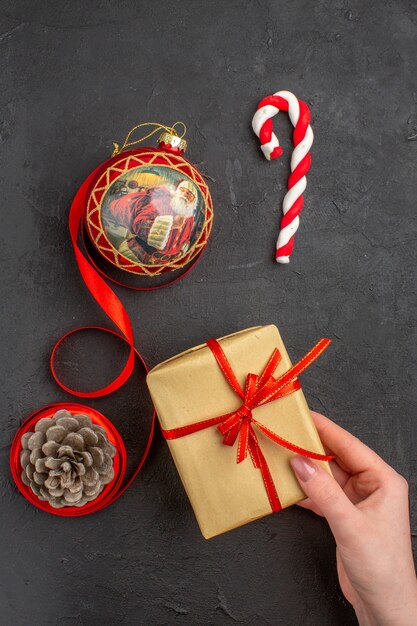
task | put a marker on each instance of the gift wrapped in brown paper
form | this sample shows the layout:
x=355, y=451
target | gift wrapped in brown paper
x=242, y=391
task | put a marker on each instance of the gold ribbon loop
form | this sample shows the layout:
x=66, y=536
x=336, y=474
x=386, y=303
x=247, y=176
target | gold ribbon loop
x=158, y=127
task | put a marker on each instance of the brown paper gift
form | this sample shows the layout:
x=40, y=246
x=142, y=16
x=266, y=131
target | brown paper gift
x=191, y=387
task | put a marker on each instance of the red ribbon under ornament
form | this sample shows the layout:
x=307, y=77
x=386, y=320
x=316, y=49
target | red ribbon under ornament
x=239, y=424
x=101, y=292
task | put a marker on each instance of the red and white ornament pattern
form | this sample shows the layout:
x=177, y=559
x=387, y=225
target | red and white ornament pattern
x=299, y=115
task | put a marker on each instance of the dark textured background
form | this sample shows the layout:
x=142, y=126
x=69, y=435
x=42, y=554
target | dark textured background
x=77, y=75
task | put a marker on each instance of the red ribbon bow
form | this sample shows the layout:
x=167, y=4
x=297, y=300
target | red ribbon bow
x=239, y=424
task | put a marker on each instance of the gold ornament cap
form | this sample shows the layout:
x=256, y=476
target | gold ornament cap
x=171, y=142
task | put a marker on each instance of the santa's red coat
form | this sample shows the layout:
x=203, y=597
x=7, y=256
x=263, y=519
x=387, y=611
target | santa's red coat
x=137, y=212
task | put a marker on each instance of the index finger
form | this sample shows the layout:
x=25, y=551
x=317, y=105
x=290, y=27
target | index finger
x=353, y=453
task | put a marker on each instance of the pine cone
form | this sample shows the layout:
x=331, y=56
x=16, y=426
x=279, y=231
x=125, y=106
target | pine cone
x=68, y=460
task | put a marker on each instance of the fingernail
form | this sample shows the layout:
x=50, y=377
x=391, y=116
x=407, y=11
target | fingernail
x=303, y=467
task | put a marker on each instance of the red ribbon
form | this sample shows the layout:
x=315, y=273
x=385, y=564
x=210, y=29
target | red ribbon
x=101, y=292
x=110, y=491
x=239, y=424
x=113, y=307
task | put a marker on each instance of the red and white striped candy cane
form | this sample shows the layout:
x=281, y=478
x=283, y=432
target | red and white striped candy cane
x=299, y=115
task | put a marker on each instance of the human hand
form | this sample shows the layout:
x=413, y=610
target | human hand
x=179, y=221
x=366, y=506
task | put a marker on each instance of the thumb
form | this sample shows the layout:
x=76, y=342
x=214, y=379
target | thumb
x=325, y=492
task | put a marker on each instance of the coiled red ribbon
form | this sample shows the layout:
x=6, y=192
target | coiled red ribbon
x=113, y=307
x=110, y=491
x=239, y=424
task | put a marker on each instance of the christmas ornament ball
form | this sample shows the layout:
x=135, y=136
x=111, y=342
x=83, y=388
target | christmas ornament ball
x=149, y=210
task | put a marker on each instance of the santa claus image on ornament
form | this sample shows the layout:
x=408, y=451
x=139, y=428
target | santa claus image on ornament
x=152, y=216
